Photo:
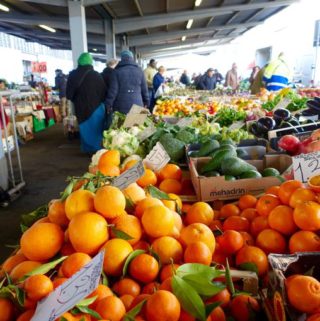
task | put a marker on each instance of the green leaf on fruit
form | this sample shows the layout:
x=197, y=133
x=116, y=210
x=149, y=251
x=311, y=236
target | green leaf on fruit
x=130, y=257
x=189, y=298
x=200, y=270
x=104, y=279
x=229, y=281
x=91, y=312
x=156, y=193
x=68, y=190
x=249, y=266
x=129, y=205
x=120, y=234
x=134, y=311
x=86, y=302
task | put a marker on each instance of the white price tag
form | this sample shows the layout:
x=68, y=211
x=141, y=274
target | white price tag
x=129, y=176
x=134, y=120
x=68, y=294
x=185, y=122
x=305, y=166
x=282, y=103
x=136, y=109
x=149, y=131
x=236, y=125
x=157, y=158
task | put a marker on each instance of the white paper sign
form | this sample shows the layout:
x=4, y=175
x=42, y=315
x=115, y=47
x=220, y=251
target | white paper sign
x=134, y=120
x=129, y=176
x=68, y=294
x=305, y=166
x=157, y=158
x=282, y=103
x=149, y=131
x=185, y=122
x=236, y=125
x=136, y=109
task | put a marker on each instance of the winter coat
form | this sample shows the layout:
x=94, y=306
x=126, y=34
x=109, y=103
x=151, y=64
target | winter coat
x=232, y=79
x=185, y=79
x=158, y=80
x=206, y=83
x=149, y=73
x=108, y=74
x=86, y=89
x=129, y=87
x=61, y=84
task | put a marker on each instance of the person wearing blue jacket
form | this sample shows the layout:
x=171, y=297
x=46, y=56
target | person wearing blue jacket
x=207, y=81
x=158, y=81
x=128, y=86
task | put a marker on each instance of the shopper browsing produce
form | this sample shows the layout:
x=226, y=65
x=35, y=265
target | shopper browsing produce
x=86, y=89
x=185, y=79
x=207, y=81
x=108, y=73
x=149, y=73
x=232, y=79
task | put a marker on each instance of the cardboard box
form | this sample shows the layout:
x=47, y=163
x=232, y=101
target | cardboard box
x=275, y=302
x=217, y=188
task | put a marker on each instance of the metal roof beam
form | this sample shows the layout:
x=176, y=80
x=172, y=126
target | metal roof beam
x=162, y=36
x=59, y=3
x=136, y=23
x=87, y=3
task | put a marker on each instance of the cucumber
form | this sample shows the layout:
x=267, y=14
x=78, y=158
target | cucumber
x=216, y=161
x=212, y=174
x=241, y=153
x=229, y=178
x=250, y=174
x=235, y=166
x=270, y=172
x=208, y=147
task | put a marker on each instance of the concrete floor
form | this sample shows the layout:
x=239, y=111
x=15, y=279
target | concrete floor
x=47, y=160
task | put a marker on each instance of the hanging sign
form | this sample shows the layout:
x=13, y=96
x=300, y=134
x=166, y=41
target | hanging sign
x=39, y=67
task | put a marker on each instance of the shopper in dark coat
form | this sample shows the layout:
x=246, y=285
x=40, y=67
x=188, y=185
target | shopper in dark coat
x=108, y=73
x=86, y=89
x=129, y=86
x=185, y=79
x=207, y=81
x=61, y=86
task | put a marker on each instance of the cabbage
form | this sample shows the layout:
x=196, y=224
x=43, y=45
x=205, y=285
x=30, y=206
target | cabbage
x=95, y=158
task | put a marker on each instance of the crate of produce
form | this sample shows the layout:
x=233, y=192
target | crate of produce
x=279, y=298
x=219, y=186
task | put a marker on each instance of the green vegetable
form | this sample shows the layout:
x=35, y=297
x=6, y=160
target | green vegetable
x=241, y=153
x=235, y=166
x=270, y=172
x=174, y=147
x=216, y=162
x=208, y=147
x=187, y=136
x=229, y=178
x=212, y=174
x=226, y=116
x=250, y=174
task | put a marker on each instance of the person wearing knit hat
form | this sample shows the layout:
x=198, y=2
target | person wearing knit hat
x=128, y=86
x=86, y=89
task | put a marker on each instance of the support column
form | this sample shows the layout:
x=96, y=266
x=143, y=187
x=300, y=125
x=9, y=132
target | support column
x=110, y=39
x=78, y=30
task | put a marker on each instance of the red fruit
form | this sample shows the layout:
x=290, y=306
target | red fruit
x=289, y=143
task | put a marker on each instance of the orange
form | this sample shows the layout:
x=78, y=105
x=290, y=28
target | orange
x=242, y=307
x=217, y=315
x=286, y=189
x=134, y=192
x=303, y=293
x=170, y=171
x=149, y=178
x=168, y=249
x=57, y=214
x=29, y=304
x=266, y=204
x=253, y=254
x=42, y=241
x=130, y=225
x=200, y=212
x=178, y=224
x=109, y=157
x=271, y=241
x=58, y=281
x=127, y=286
x=166, y=285
x=150, y=288
x=236, y=223
x=304, y=241
x=187, y=187
x=162, y=305
x=229, y=210
x=314, y=317
x=258, y=224
x=144, y=268
x=230, y=241
x=198, y=232
x=274, y=190
x=67, y=249
x=301, y=195
x=68, y=316
x=247, y=201
x=129, y=164
x=116, y=253
x=82, y=317
x=79, y=201
x=142, y=205
x=22, y=269
x=73, y=263
x=158, y=221
x=138, y=299
x=37, y=287
x=307, y=216
x=185, y=316
x=172, y=205
x=11, y=262
x=101, y=292
x=249, y=213
x=281, y=220
x=111, y=308
x=126, y=300
x=88, y=231
x=170, y=185
x=216, y=225
x=109, y=202
x=223, y=297
x=247, y=238
x=141, y=245
x=7, y=310
x=168, y=271
x=26, y=316
x=109, y=170
x=198, y=252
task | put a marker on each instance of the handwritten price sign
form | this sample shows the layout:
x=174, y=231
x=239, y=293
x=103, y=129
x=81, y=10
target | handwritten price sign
x=130, y=176
x=283, y=103
x=306, y=165
x=68, y=294
x=157, y=158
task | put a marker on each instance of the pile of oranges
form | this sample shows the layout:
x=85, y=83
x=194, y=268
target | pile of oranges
x=157, y=236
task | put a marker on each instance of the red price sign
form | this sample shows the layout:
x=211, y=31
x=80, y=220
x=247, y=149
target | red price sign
x=39, y=67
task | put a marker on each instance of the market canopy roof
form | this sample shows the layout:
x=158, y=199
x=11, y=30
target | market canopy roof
x=149, y=26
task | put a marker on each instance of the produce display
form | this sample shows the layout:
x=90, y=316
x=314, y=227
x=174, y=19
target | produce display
x=167, y=255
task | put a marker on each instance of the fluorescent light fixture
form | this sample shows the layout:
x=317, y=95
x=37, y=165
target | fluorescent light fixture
x=183, y=38
x=94, y=49
x=45, y=27
x=197, y=3
x=4, y=8
x=189, y=24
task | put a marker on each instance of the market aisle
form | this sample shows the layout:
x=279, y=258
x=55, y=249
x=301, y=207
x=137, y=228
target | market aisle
x=47, y=161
